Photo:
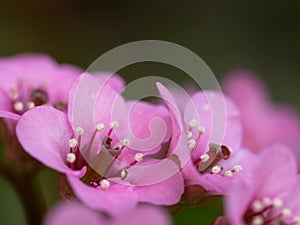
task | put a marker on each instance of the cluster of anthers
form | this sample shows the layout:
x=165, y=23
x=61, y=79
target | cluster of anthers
x=37, y=97
x=207, y=162
x=103, y=160
x=260, y=212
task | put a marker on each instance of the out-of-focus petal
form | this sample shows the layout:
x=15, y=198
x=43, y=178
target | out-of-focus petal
x=73, y=213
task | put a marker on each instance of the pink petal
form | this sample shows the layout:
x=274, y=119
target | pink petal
x=73, y=214
x=148, y=126
x=237, y=203
x=276, y=173
x=9, y=115
x=241, y=85
x=167, y=192
x=114, y=200
x=175, y=116
x=156, y=181
x=219, y=117
x=44, y=133
x=146, y=215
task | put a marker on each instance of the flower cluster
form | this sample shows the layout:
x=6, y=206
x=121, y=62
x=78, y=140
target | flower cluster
x=121, y=159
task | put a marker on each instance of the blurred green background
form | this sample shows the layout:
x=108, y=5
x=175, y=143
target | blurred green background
x=262, y=36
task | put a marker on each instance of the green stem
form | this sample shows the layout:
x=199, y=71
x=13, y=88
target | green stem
x=29, y=192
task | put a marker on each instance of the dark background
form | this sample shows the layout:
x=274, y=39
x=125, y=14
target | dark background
x=262, y=36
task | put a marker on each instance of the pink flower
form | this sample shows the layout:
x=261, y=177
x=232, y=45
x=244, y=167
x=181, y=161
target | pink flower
x=77, y=214
x=30, y=80
x=206, y=138
x=263, y=122
x=26, y=81
x=272, y=195
x=95, y=143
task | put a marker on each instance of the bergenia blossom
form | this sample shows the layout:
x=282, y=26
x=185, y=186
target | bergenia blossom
x=213, y=159
x=94, y=146
x=273, y=195
x=264, y=123
x=29, y=80
x=77, y=214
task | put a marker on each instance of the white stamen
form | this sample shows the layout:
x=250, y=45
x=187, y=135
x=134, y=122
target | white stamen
x=216, y=169
x=30, y=105
x=228, y=173
x=201, y=130
x=104, y=184
x=193, y=123
x=13, y=93
x=100, y=127
x=204, y=157
x=191, y=143
x=188, y=134
x=114, y=124
x=267, y=201
x=79, y=131
x=257, y=220
x=138, y=157
x=257, y=206
x=72, y=143
x=286, y=212
x=296, y=220
x=237, y=168
x=277, y=203
x=124, y=173
x=71, y=157
x=125, y=142
x=18, y=106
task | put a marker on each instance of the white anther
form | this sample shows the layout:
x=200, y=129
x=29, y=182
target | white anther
x=277, y=203
x=71, y=157
x=188, y=134
x=125, y=142
x=286, y=212
x=257, y=220
x=237, y=168
x=30, y=105
x=13, y=93
x=216, y=169
x=114, y=124
x=124, y=173
x=296, y=220
x=191, y=143
x=104, y=184
x=204, y=157
x=18, y=106
x=193, y=123
x=72, y=143
x=267, y=201
x=228, y=173
x=201, y=130
x=79, y=131
x=100, y=126
x=257, y=206
x=138, y=157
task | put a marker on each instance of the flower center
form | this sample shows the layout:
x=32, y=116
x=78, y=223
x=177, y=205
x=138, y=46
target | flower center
x=208, y=162
x=39, y=97
x=23, y=99
x=267, y=211
x=103, y=162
